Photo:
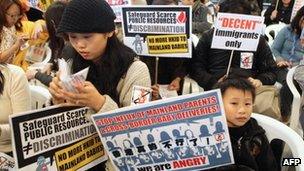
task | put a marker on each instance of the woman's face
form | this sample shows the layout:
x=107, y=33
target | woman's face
x=12, y=14
x=91, y=46
x=286, y=2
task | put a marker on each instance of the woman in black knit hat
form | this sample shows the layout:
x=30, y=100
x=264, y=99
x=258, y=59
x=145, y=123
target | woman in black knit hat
x=114, y=68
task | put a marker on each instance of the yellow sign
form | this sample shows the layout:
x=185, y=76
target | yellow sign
x=167, y=44
x=80, y=154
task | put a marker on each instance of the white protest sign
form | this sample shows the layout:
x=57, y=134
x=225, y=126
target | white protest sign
x=6, y=162
x=296, y=6
x=116, y=7
x=141, y=95
x=69, y=81
x=165, y=93
x=55, y=138
x=170, y=134
x=162, y=31
x=237, y=32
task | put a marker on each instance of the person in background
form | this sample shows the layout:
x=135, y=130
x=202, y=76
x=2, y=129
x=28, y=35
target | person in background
x=10, y=23
x=14, y=98
x=56, y=43
x=199, y=16
x=281, y=14
x=250, y=145
x=113, y=67
x=288, y=49
x=171, y=71
x=209, y=66
x=16, y=33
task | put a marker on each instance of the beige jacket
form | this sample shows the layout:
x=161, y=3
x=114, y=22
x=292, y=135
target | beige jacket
x=15, y=99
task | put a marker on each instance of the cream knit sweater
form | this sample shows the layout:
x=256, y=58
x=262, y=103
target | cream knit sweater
x=137, y=74
x=15, y=99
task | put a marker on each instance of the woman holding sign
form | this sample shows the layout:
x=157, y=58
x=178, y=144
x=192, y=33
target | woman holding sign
x=114, y=69
x=279, y=12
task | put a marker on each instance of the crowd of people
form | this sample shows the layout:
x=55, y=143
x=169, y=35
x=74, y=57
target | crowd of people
x=83, y=32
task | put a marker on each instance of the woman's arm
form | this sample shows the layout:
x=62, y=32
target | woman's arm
x=278, y=43
x=20, y=96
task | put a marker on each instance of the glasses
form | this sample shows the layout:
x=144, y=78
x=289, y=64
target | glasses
x=17, y=16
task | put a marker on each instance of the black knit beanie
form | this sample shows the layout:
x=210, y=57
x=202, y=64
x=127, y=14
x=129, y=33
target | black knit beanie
x=87, y=16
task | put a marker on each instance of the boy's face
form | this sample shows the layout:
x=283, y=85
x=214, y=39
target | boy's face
x=238, y=106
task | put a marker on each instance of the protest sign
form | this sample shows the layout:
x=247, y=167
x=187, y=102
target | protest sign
x=41, y=5
x=69, y=81
x=162, y=31
x=237, y=32
x=141, y=95
x=116, y=6
x=171, y=134
x=38, y=135
x=80, y=154
x=296, y=6
x=165, y=93
x=6, y=162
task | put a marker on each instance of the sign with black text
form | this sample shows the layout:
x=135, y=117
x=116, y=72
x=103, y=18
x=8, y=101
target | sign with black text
x=162, y=31
x=51, y=138
x=237, y=32
x=180, y=133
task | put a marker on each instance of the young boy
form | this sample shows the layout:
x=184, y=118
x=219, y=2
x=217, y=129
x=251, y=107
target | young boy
x=249, y=143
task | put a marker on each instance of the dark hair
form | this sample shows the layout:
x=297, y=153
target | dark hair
x=280, y=4
x=240, y=7
x=296, y=20
x=107, y=72
x=4, y=6
x=240, y=83
x=164, y=2
x=53, y=16
x=1, y=82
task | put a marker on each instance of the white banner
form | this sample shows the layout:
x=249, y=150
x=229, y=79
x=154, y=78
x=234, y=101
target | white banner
x=237, y=32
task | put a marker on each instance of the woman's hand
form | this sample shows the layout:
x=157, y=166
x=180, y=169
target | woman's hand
x=19, y=42
x=255, y=82
x=30, y=73
x=284, y=64
x=87, y=95
x=56, y=90
x=175, y=84
x=155, y=92
x=222, y=78
x=274, y=14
